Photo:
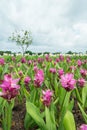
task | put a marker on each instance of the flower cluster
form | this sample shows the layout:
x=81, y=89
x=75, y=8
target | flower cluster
x=9, y=87
x=39, y=78
x=68, y=81
x=47, y=97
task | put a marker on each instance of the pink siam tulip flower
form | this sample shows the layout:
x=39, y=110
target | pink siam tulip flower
x=79, y=63
x=68, y=59
x=40, y=60
x=23, y=60
x=83, y=127
x=47, y=57
x=60, y=72
x=27, y=80
x=29, y=62
x=68, y=81
x=72, y=67
x=55, y=63
x=20, y=73
x=2, y=61
x=61, y=57
x=81, y=82
x=9, y=87
x=13, y=58
x=57, y=60
x=83, y=72
x=47, y=97
x=18, y=64
x=39, y=78
x=35, y=69
x=52, y=70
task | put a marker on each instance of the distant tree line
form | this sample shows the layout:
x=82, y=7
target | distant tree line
x=39, y=53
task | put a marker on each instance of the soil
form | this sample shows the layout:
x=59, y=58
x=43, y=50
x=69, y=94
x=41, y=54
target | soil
x=19, y=111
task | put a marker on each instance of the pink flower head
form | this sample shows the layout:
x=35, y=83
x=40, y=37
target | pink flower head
x=40, y=60
x=81, y=82
x=60, y=72
x=79, y=63
x=68, y=59
x=29, y=62
x=13, y=58
x=83, y=72
x=61, y=57
x=23, y=60
x=57, y=60
x=27, y=80
x=47, y=97
x=67, y=81
x=20, y=73
x=9, y=87
x=83, y=127
x=2, y=61
x=72, y=67
x=39, y=78
x=35, y=69
x=47, y=57
x=52, y=70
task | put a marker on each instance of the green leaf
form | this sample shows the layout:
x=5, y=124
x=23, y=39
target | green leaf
x=28, y=122
x=50, y=119
x=83, y=112
x=68, y=121
x=84, y=95
x=34, y=112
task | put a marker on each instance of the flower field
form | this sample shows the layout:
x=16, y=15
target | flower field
x=50, y=89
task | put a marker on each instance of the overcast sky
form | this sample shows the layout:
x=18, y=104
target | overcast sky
x=56, y=25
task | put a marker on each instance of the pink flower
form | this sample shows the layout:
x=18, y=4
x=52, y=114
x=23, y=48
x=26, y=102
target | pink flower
x=61, y=57
x=40, y=60
x=35, y=69
x=52, y=70
x=47, y=97
x=83, y=72
x=39, y=78
x=57, y=60
x=23, y=60
x=20, y=73
x=79, y=63
x=47, y=57
x=67, y=81
x=27, y=80
x=83, y=127
x=13, y=58
x=9, y=87
x=2, y=61
x=60, y=72
x=72, y=67
x=29, y=62
x=68, y=59
x=81, y=82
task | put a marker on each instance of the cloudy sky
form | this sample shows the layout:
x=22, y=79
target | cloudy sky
x=56, y=25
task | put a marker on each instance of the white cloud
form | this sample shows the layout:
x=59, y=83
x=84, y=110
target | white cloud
x=56, y=25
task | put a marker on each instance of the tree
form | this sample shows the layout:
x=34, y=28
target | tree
x=23, y=39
